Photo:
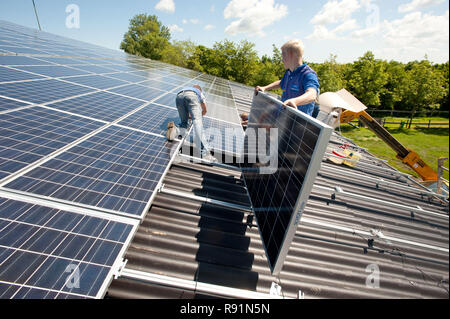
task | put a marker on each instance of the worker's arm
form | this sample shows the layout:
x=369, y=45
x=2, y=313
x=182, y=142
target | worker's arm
x=273, y=86
x=309, y=97
x=204, y=110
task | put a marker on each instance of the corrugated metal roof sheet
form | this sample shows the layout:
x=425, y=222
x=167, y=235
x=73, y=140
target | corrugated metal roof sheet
x=339, y=243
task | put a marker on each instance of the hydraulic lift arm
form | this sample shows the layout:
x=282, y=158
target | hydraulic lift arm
x=405, y=154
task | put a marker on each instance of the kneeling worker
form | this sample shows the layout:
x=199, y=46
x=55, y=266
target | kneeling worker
x=191, y=102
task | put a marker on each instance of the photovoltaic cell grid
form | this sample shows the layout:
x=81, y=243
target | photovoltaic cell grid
x=117, y=169
x=42, y=249
x=152, y=118
x=30, y=134
x=99, y=105
x=7, y=105
x=10, y=75
x=279, y=186
x=41, y=91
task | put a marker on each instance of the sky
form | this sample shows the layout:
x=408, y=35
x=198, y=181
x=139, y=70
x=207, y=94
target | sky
x=401, y=30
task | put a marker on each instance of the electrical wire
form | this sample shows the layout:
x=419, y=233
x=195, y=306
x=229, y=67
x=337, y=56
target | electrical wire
x=37, y=17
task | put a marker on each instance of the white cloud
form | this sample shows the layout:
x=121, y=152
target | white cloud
x=194, y=21
x=336, y=11
x=252, y=16
x=166, y=6
x=175, y=28
x=417, y=5
x=209, y=27
x=184, y=21
x=418, y=30
x=321, y=32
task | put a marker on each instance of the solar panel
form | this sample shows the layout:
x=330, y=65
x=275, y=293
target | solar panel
x=139, y=92
x=283, y=149
x=117, y=169
x=7, y=104
x=41, y=91
x=152, y=118
x=20, y=60
x=10, y=75
x=99, y=105
x=30, y=134
x=51, y=253
x=96, y=81
x=52, y=70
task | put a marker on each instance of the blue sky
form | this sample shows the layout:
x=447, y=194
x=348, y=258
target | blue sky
x=402, y=30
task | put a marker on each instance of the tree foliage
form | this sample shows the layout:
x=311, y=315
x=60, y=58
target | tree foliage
x=146, y=37
x=415, y=86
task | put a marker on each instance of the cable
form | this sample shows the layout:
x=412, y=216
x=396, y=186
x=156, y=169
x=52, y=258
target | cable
x=37, y=18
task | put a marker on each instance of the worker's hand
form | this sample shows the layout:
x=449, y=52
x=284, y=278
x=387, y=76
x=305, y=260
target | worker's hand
x=290, y=103
x=259, y=89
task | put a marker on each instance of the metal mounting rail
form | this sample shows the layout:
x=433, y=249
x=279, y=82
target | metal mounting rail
x=338, y=192
x=211, y=201
x=195, y=286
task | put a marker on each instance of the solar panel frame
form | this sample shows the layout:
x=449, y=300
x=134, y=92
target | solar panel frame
x=279, y=215
x=50, y=240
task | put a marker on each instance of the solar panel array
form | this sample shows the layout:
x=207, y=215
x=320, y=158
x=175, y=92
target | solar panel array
x=82, y=152
x=283, y=149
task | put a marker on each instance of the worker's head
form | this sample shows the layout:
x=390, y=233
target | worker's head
x=292, y=53
x=244, y=116
x=198, y=87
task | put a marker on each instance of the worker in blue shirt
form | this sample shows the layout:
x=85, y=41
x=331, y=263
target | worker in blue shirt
x=300, y=83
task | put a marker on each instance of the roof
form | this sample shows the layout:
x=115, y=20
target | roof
x=340, y=243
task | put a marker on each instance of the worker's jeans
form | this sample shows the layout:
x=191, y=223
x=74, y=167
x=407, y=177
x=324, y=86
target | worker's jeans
x=188, y=103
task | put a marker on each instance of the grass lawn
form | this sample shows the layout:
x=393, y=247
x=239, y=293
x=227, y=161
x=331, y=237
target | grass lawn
x=429, y=143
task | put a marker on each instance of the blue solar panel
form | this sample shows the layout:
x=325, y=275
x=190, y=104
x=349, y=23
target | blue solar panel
x=152, y=118
x=138, y=92
x=52, y=70
x=30, y=134
x=130, y=77
x=96, y=81
x=20, y=60
x=9, y=75
x=7, y=105
x=41, y=91
x=50, y=253
x=159, y=85
x=100, y=105
x=168, y=100
x=117, y=169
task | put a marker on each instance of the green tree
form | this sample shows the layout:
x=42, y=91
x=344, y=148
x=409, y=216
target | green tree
x=146, y=37
x=396, y=87
x=367, y=78
x=425, y=87
x=330, y=75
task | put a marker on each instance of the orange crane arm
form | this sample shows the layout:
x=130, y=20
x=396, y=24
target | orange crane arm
x=405, y=154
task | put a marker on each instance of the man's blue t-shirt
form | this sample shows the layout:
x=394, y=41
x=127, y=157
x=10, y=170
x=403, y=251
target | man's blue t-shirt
x=295, y=84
